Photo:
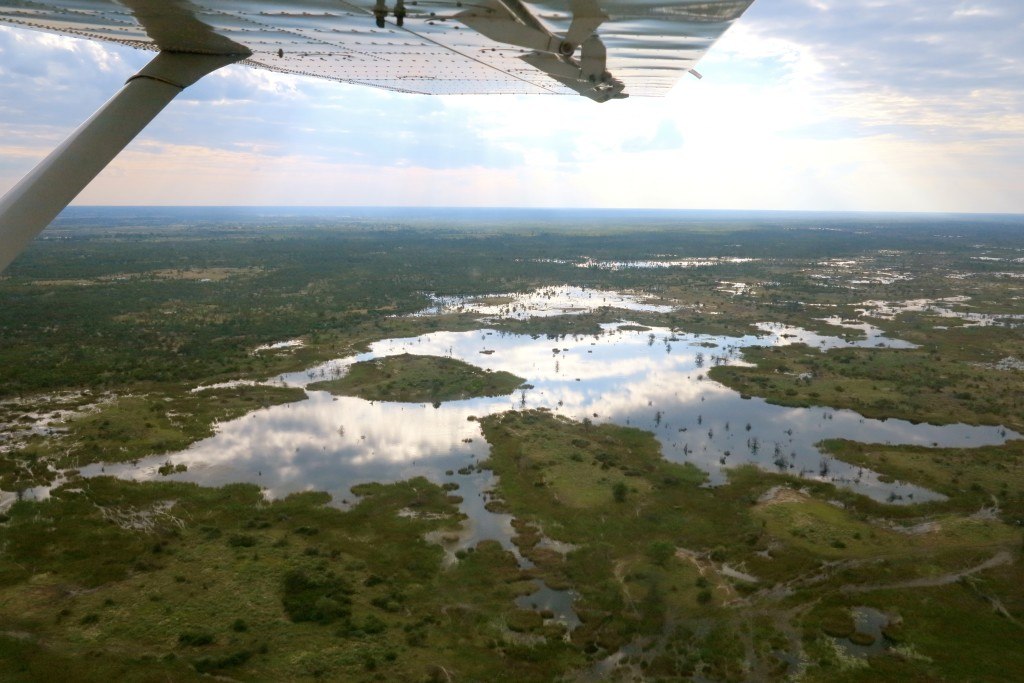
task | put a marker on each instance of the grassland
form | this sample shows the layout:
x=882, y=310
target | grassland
x=186, y=299
x=110, y=579
x=113, y=325
x=757, y=579
x=972, y=478
x=655, y=559
x=410, y=378
x=919, y=385
x=126, y=428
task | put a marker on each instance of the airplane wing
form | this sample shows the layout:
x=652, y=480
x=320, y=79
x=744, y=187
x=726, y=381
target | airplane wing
x=600, y=49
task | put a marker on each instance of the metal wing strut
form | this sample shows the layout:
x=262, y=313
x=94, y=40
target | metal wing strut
x=35, y=201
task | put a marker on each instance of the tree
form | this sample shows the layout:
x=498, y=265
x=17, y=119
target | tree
x=660, y=552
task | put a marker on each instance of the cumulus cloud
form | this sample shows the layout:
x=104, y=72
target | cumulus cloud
x=665, y=136
x=809, y=104
x=943, y=65
x=923, y=47
x=67, y=76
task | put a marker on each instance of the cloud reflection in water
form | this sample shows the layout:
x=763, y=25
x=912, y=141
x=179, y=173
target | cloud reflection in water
x=653, y=380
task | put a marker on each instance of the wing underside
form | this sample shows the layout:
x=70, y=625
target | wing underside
x=598, y=48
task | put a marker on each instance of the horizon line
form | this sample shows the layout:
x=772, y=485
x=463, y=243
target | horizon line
x=352, y=207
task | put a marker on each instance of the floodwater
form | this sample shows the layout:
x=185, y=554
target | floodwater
x=868, y=622
x=698, y=262
x=873, y=337
x=949, y=307
x=654, y=379
x=540, y=303
x=666, y=262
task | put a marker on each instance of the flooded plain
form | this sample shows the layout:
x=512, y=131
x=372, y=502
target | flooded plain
x=540, y=303
x=953, y=307
x=649, y=378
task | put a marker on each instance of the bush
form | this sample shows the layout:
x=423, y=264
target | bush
x=208, y=664
x=321, y=598
x=242, y=541
x=661, y=552
x=374, y=625
x=195, y=638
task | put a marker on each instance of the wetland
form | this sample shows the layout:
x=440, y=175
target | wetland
x=538, y=446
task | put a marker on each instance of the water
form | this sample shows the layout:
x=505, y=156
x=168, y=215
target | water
x=869, y=622
x=940, y=308
x=697, y=262
x=277, y=346
x=654, y=379
x=556, y=601
x=785, y=335
x=7, y=499
x=541, y=303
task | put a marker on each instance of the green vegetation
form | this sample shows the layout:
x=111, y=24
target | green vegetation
x=170, y=579
x=412, y=379
x=146, y=579
x=126, y=428
x=109, y=298
x=108, y=326
x=972, y=478
x=652, y=565
x=920, y=385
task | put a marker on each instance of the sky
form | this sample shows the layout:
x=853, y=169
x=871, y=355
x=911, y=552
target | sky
x=847, y=105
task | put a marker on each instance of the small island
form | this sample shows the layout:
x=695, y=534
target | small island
x=409, y=378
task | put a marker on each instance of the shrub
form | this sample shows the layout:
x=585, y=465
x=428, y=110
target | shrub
x=195, y=638
x=208, y=664
x=374, y=625
x=321, y=598
x=242, y=541
x=660, y=552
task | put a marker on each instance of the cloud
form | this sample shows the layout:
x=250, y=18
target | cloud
x=942, y=63
x=928, y=47
x=974, y=11
x=70, y=76
x=805, y=104
x=666, y=136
